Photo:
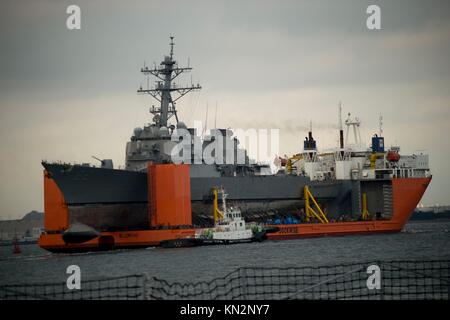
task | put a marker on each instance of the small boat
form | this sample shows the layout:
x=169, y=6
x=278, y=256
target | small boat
x=229, y=226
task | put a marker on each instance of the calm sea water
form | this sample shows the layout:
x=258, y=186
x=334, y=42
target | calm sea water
x=419, y=240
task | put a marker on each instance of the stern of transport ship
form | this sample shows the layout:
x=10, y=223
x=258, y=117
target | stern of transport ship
x=168, y=215
x=398, y=199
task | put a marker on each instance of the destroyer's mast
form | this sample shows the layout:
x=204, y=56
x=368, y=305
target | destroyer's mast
x=163, y=89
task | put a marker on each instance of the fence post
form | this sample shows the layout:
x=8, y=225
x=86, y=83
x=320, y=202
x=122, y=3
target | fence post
x=243, y=283
x=382, y=284
x=145, y=279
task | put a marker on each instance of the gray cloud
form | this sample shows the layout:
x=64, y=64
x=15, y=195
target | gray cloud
x=70, y=94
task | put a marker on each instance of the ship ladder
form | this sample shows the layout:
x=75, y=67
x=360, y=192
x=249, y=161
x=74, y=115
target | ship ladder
x=218, y=215
x=310, y=212
x=365, y=211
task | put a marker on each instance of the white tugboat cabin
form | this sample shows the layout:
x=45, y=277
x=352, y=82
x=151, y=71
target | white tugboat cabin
x=229, y=225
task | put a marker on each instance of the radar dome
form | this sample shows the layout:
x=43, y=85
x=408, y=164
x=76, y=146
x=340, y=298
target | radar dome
x=137, y=131
x=181, y=125
x=163, y=131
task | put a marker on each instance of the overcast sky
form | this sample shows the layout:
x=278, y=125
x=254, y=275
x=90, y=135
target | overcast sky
x=69, y=94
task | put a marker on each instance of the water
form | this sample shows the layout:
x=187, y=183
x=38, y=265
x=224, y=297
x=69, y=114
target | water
x=419, y=240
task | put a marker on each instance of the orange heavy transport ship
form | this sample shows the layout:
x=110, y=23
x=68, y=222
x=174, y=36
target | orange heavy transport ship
x=407, y=193
x=352, y=189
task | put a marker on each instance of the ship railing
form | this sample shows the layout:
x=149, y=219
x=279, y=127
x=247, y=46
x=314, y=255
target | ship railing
x=411, y=173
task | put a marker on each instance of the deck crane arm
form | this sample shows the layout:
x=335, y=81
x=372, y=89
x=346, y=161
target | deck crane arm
x=292, y=160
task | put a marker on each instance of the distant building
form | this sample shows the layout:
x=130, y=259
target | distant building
x=434, y=209
x=28, y=228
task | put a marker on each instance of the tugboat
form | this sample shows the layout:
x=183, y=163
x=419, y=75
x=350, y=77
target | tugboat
x=229, y=227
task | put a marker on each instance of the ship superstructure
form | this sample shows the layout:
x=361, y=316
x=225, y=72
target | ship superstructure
x=153, y=142
x=156, y=142
x=368, y=171
x=355, y=161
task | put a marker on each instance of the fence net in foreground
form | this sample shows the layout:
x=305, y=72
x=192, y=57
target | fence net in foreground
x=398, y=280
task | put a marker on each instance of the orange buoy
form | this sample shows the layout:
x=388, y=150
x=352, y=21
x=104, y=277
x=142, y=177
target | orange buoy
x=17, y=249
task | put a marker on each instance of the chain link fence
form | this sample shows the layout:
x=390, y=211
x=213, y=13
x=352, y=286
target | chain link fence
x=399, y=280
x=119, y=288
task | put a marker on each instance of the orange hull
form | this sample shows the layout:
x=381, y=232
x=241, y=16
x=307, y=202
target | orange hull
x=170, y=207
x=407, y=193
x=114, y=240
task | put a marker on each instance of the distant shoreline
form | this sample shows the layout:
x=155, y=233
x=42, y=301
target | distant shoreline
x=421, y=216
x=5, y=243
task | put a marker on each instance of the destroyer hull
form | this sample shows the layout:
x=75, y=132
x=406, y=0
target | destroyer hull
x=83, y=185
x=112, y=199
